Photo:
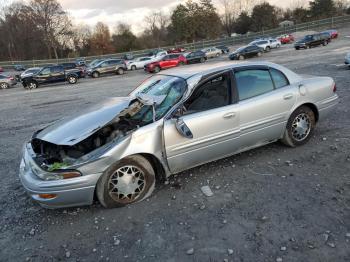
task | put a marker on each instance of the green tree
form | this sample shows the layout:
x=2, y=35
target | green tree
x=300, y=15
x=243, y=23
x=264, y=17
x=322, y=8
x=124, y=40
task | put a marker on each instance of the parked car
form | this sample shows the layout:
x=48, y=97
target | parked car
x=263, y=44
x=176, y=50
x=80, y=62
x=211, y=52
x=246, y=52
x=224, y=49
x=347, y=59
x=326, y=36
x=158, y=53
x=196, y=57
x=109, y=66
x=128, y=57
x=7, y=81
x=286, y=39
x=275, y=43
x=172, y=122
x=19, y=67
x=71, y=66
x=334, y=33
x=1, y=69
x=138, y=63
x=166, y=62
x=94, y=62
x=48, y=75
x=310, y=41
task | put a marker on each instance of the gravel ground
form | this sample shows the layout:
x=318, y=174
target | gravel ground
x=269, y=204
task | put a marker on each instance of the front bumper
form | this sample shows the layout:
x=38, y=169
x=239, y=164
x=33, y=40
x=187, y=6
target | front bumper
x=69, y=192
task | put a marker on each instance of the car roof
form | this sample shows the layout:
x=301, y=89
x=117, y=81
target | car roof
x=206, y=69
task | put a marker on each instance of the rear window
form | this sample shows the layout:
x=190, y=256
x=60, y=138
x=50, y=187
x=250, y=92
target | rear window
x=279, y=78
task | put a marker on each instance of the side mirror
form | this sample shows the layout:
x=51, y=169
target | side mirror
x=182, y=128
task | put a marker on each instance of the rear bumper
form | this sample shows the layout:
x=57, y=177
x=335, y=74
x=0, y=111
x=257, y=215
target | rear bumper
x=69, y=192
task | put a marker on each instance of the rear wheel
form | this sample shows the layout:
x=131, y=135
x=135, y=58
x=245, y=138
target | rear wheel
x=267, y=49
x=241, y=57
x=72, y=80
x=95, y=74
x=300, y=127
x=217, y=55
x=202, y=60
x=4, y=85
x=258, y=54
x=128, y=181
x=120, y=71
x=133, y=67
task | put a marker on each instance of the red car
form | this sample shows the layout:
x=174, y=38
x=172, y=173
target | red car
x=167, y=61
x=333, y=33
x=286, y=39
x=1, y=69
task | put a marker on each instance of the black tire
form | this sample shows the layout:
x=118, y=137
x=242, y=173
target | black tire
x=4, y=85
x=107, y=191
x=133, y=68
x=120, y=71
x=72, y=79
x=297, y=48
x=181, y=63
x=202, y=60
x=217, y=55
x=95, y=74
x=259, y=54
x=291, y=136
x=241, y=57
x=267, y=49
x=32, y=85
x=156, y=69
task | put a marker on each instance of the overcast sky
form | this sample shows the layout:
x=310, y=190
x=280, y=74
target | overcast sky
x=128, y=11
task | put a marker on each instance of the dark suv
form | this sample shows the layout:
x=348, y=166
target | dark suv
x=70, y=65
x=109, y=66
x=196, y=57
x=50, y=74
x=310, y=41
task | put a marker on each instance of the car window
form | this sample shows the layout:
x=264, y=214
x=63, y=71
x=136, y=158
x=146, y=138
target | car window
x=2, y=77
x=56, y=69
x=104, y=64
x=279, y=78
x=113, y=62
x=253, y=82
x=212, y=94
x=45, y=71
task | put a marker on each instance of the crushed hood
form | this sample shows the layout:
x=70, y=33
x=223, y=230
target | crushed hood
x=72, y=130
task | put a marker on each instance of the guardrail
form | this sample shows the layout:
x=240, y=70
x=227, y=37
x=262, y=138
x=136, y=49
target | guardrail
x=332, y=22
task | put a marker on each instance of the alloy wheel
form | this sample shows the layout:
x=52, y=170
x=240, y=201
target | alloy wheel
x=3, y=85
x=126, y=184
x=301, y=127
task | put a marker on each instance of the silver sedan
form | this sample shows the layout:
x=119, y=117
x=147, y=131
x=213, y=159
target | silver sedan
x=170, y=123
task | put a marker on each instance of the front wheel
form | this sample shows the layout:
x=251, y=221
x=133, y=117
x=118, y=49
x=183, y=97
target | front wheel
x=128, y=181
x=267, y=49
x=300, y=127
x=133, y=67
x=32, y=85
x=156, y=69
x=241, y=57
x=202, y=60
x=4, y=85
x=259, y=54
x=95, y=74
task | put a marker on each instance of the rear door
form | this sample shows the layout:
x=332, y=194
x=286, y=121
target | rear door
x=57, y=74
x=213, y=118
x=265, y=101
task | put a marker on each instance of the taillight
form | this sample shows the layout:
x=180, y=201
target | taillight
x=11, y=78
x=334, y=88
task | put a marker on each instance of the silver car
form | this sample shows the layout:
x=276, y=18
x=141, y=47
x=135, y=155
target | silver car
x=211, y=52
x=7, y=81
x=170, y=123
x=347, y=59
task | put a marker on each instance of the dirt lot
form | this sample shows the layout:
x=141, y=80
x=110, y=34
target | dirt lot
x=270, y=204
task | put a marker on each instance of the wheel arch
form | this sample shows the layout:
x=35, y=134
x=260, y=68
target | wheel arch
x=312, y=106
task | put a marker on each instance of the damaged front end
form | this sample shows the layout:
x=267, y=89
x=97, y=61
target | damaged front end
x=53, y=154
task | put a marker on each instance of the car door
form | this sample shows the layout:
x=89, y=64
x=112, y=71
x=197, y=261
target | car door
x=44, y=76
x=212, y=117
x=166, y=62
x=103, y=67
x=57, y=74
x=265, y=101
x=111, y=68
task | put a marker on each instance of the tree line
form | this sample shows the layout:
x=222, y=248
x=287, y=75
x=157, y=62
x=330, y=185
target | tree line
x=42, y=29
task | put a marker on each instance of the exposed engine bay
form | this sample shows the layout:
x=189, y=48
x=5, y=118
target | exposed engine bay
x=51, y=156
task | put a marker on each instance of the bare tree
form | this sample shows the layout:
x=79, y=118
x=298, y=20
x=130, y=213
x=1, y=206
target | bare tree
x=156, y=24
x=53, y=21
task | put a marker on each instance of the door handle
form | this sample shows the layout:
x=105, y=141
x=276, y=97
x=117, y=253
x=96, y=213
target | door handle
x=288, y=96
x=229, y=115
